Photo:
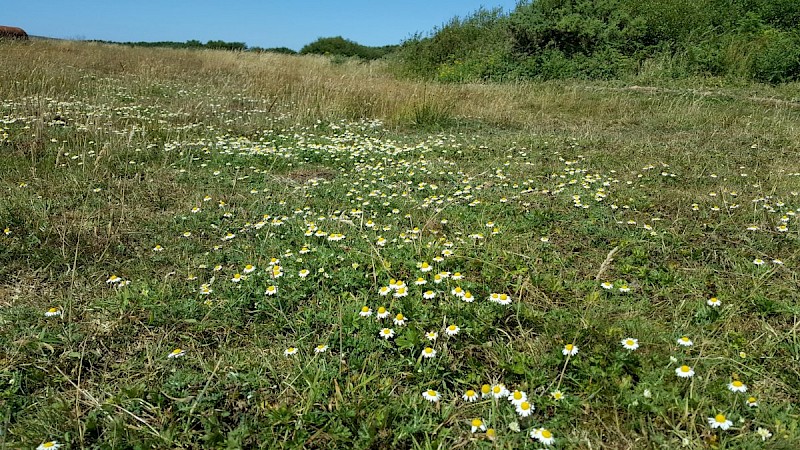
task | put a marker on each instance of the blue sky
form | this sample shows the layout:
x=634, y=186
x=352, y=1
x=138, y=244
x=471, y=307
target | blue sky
x=289, y=23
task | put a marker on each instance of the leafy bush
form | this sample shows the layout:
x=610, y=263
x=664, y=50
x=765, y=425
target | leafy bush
x=339, y=46
x=601, y=39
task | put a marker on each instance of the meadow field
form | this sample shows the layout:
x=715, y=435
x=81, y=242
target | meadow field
x=208, y=249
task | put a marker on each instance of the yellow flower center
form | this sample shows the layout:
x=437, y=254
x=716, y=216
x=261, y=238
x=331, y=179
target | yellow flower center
x=48, y=444
x=629, y=342
x=431, y=393
x=52, y=310
x=751, y=400
x=477, y=422
x=546, y=434
x=685, y=369
x=470, y=393
x=486, y=389
x=517, y=395
x=496, y=389
x=365, y=309
x=525, y=406
x=451, y=327
x=569, y=347
x=177, y=350
x=399, y=317
x=719, y=418
x=428, y=350
x=381, y=310
x=737, y=383
x=490, y=432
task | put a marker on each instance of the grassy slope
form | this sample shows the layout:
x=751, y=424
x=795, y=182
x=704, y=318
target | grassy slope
x=109, y=149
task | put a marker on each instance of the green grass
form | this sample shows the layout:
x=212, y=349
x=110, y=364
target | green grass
x=542, y=192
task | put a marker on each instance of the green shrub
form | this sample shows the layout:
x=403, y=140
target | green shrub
x=339, y=46
x=778, y=58
x=603, y=39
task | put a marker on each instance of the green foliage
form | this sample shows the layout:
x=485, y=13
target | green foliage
x=281, y=50
x=339, y=46
x=603, y=39
x=193, y=43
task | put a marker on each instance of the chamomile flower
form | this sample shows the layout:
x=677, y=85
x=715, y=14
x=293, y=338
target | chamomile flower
x=205, y=289
x=427, y=295
x=470, y=396
x=290, y=351
x=714, y=302
x=113, y=279
x=431, y=395
x=570, y=350
x=719, y=421
x=321, y=348
x=517, y=397
x=606, y=285
x=524, y=409
x=303, y=273
x=365, y=311
x=477, y=425
x=177, y=353
x=158, y=248
x=758, y=262
x=457, y=276
x=237, y=278
x=684, y=371
x=751, y=402
x=402, y=291
x=428, y=352
x=763, y=433
x=384, y=290
x=500, y=299
x=684, y=341
x=431, y=335
x=399, y=320
x=52, y=312
x=50, y=445
x=737, y=386
x=486, y=391
x=499, y=391
x=624, y=288
x=420, y=281
x=386, y=333
x=382, y=313
x=424, y=267
x=543, y=435
x=271, y=290
x=468, y=297
x=452, y=330
x=630, y=343
x=557, y=395
x=457, y=291
x=249, y=269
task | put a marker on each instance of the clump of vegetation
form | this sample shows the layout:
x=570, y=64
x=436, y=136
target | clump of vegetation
x=192, y=44
x=339, y=46
x=605, y=39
